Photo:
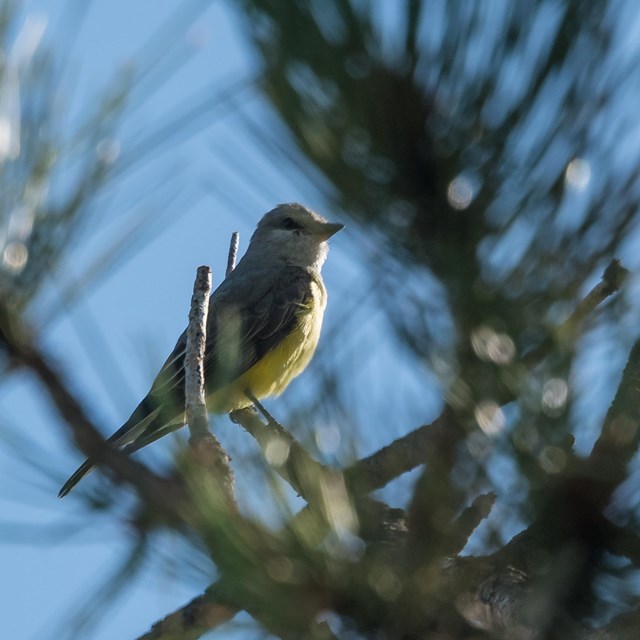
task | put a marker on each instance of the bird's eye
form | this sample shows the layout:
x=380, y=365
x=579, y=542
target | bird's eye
x=290, y=223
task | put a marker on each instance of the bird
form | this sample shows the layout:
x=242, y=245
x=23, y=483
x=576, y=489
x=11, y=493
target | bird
x=263, y=327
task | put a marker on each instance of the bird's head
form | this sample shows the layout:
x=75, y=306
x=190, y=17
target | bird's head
x=293, y=234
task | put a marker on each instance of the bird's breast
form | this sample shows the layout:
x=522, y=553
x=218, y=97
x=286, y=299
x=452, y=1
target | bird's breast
x=278, y=367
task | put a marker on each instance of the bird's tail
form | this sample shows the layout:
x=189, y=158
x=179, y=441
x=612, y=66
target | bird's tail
x=86, y=467
x=147, y=423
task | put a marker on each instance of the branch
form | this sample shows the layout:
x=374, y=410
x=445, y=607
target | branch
x=195, y=402
x=468, y=521
x=190, y=622
x=233, y=252
x=620, y=433
x=402, y=455
x=288, y=457
x=207, y=450
x=331, y=501
x=612, y=280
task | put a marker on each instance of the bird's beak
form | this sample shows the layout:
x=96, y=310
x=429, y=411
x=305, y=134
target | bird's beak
x=324, y=230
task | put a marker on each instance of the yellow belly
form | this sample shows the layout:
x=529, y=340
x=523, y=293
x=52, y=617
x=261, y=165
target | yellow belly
x=271, y=375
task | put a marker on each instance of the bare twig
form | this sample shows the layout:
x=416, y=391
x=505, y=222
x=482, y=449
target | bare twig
x=208, y=451
x=612, y=280
x=233, y=252
x=289, y=458
x=195, y=401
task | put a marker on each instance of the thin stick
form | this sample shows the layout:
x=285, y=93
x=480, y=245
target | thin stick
x=233, y=252
x=612, y=280
x=297, y=466
x=208, y=451
x=195, y=402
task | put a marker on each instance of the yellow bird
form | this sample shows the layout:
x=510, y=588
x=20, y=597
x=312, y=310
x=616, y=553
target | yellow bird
x=262, y=330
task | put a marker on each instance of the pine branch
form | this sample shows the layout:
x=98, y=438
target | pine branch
x=402, y=455
x=193, y=620
x=613, y=278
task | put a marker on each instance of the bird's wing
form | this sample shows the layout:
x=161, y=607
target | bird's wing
x=248, y=317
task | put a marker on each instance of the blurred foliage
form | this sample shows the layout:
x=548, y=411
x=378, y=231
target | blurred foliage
x=51, y=169
x=457, y=139
x=491, y=150
x=487, y=142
